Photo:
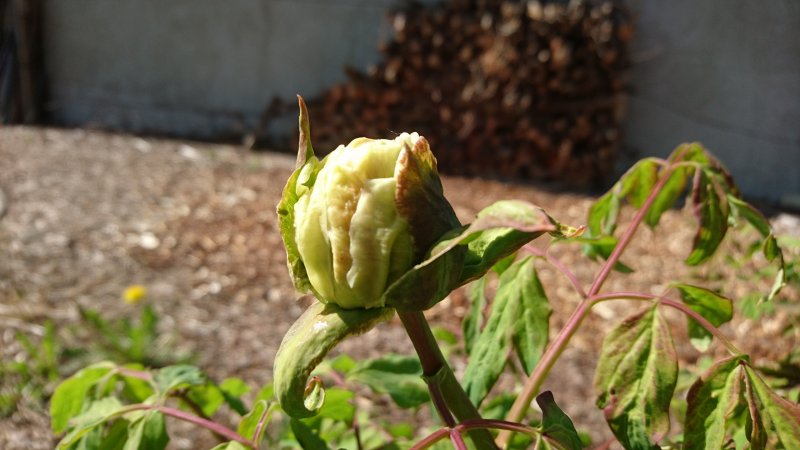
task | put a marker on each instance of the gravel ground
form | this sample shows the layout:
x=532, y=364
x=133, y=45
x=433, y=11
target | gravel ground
x=84, y=214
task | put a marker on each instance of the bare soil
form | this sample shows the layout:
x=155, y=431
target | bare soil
x=84, y=214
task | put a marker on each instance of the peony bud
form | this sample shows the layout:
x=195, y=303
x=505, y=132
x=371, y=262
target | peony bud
x=359, y=219
x=362, y=217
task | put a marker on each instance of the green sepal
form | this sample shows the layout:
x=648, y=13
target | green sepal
x=305, y=173
x=420, y=198
x=309, y=339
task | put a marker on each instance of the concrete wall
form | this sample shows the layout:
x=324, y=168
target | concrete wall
x=724, y=72
x=199, y=68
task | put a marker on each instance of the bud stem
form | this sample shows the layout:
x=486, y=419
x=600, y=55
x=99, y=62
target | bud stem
x=441, y=381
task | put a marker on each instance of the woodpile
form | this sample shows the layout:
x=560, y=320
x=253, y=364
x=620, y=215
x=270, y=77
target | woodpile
x=500, y=88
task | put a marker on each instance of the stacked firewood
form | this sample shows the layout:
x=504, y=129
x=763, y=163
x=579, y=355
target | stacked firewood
x=503, y=88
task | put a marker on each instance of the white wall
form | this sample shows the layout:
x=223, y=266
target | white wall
x=199, y=68
x=724, y=72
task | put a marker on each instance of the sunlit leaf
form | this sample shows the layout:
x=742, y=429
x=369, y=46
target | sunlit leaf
x=397, y=375
x=306, y=437
x=639, y=181
x=338, y=405
x=556, y=425
x=635, y=379
x=531, y=331
x=603, y=215
x=771, y=249
x=253, y=424
x=232, y=389
x=712, y=306
x=69, y=397
x=670, y=193
x=147, y=433
x=776, y=414
x=711, y=405
x=518, y=317
x=473, y=321
x=172, y=377
x=711, y=209
x=97, y=414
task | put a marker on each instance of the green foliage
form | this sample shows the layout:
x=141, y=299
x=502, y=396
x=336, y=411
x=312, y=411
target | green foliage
x=126, y=340
x=397, y=375
x=105, y=406
x=557, y=426
x=33, y=377
x=636, y=377
x=729, y=406
x=712, y=306
x=518, y=320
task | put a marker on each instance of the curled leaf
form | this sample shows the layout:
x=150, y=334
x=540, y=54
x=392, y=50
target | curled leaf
x=308, y=340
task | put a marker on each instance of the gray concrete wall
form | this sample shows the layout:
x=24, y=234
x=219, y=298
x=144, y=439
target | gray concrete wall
x=724, y=72
x=199, y=68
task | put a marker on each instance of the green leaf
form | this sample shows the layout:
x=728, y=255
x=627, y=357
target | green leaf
x=770, y=247
x=519, y=295
x=467, y=253
x=498, y=406
x=253, y=424
x=712, y=306
x=267, y=393
x=338, y=405
x=601, y=247
x=306, y=437
x=712, y=402
x=556, y=425
x=401, y=430
x=471, y=326
x=343, y=364
x=98, y=413
x=672, y=190
x=135, y=388
x=173, y=377
x=208, y=397
x=603, y=215
x=307, y=342
x=69, y=397
x=147, y=433
x=397, y=375
x=531, y=331
x=778, y=414
x=639, y=181
x=711, y=209
x=744, y=210
x=635, y=379
x=232, y=389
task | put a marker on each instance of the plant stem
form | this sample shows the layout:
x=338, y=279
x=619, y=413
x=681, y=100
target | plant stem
x=215, y=427
x=555, y=262
x=437, y=373
x=554, y=350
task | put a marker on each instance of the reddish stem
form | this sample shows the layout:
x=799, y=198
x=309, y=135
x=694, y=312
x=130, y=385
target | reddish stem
x=555, y=262
x=215, y=427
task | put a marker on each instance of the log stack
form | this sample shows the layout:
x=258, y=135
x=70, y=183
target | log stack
x=509, y=89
